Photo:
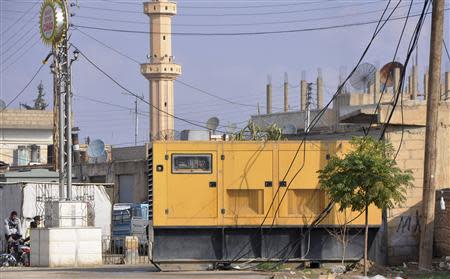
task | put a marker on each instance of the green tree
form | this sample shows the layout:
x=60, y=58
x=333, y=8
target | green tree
x=366, y=175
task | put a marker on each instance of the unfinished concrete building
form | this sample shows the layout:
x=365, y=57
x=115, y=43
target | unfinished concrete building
x=352, y=113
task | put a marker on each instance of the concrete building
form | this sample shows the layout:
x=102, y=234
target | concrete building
x=161, y=71
x=25, y=135
x=352, y=114
x=127, y=170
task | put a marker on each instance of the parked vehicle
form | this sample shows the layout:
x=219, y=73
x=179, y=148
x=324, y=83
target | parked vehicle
x=129, y=219
x=19, y=254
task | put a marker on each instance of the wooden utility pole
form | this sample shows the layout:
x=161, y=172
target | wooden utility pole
x=429, y=176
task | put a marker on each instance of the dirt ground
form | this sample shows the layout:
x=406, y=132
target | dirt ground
x=269, y=271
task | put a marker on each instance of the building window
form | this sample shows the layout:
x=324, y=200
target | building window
x=164, y=37
x=191, y=163
x=21, y=156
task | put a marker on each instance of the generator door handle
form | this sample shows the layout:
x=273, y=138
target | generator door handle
x=212, y=184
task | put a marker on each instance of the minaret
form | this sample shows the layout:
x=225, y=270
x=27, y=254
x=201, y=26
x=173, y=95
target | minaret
x=161, y=71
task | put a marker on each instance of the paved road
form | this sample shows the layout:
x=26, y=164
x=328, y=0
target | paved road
x=110, y=272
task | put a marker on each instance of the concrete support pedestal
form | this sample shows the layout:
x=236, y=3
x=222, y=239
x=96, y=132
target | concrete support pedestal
x=66, y=241
x=66, y=247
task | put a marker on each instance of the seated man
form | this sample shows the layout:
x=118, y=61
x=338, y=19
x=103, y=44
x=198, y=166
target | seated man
x=13, y=228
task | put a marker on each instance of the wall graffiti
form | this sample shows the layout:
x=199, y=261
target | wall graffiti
x=409, y=223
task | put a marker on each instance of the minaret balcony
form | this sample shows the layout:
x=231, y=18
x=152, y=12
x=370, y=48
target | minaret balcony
x=160, y=8
x=160, y=70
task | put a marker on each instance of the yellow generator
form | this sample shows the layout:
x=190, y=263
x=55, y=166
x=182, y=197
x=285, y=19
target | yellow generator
x=236, y=200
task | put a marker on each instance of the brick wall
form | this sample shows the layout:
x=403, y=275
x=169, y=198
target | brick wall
x=442, y=225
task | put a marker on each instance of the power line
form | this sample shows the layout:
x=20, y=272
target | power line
x=17, y=51
x=179, y=81
x=110, y=104
x=14, y=44
x=248, y=33
x=107, y=46
x=214, y=96
x=224, y=7
x=32, y=18
x=137, y=96
x=314, y=121
x=22, y=54
x=241, y=24
x=10, y=27
x=238, y=14
x=446, y=50
x=23, y=90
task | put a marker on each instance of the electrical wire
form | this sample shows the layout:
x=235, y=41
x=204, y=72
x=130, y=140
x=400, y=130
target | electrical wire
x=137, y=96
x=177, y=80
x=446, y=49
x=18, y=57
x=411, y=48
x=224, y=7
x=315, y=120
x=237, y=14
x=366, y=132
x=10, y=27
x=240, y=24
x=23, y=89
x=300, y=30
x=107, y=46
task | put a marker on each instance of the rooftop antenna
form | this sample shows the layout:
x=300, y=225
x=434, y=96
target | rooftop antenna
x=231, y=128
x=212, y=124
x=363, y=76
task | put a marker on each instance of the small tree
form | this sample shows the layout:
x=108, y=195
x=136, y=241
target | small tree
x=367, y=175
x=39, y=102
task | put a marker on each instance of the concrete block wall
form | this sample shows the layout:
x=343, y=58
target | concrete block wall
x=27, y=119
x=404, y=221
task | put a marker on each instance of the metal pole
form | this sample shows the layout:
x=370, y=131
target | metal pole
x=269, y=96
x=286, y=88
x=69, y=131
x=60, y=126
x=429, y=177
x=135, y=121
x=68, y=106
x=308, y=107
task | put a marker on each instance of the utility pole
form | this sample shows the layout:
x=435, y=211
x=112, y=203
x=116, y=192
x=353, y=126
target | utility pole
x=429, y=177
x=54, y=27
x=136, y=124
x=308, y=107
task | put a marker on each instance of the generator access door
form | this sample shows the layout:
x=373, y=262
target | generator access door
x=192, y=188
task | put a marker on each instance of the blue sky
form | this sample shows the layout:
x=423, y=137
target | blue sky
x=233, y=67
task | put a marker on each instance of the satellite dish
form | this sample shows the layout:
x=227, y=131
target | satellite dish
x=363, y=76
x=96, y=148
x=289, y=129
x=231, y=128
x=212, y=123
x=2, y=104
x=387, y=73
x=102, y=158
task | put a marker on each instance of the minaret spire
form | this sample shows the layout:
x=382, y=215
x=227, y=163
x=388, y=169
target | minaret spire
x=161, y=71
